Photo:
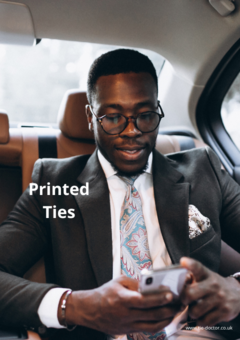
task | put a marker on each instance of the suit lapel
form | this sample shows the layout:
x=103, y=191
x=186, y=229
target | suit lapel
x=172, y=199
x=95, y=210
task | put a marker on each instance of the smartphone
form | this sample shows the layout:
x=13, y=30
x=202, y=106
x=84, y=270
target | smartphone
x=173, y=277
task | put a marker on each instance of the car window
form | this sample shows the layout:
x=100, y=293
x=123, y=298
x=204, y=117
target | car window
x=34, y=79
x=230, y=111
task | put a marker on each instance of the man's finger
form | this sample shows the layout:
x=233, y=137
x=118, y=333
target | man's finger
x=128, y=282
x=202, y=307
x=195, y=291
x=200, y=272
x=210, y=319
x=189, y=278
x=150, y=300
x=155, y=314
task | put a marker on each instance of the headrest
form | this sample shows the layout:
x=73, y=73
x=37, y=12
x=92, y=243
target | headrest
x=72, y=119
x=4, y=128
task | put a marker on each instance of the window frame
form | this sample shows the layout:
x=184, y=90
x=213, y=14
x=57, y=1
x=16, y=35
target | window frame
x=208, y=112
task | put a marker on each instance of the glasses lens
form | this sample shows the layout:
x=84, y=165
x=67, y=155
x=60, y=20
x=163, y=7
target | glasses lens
x=114, y=124
x=148, y=121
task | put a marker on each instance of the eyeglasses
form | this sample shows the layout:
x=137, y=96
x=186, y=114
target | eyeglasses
x=115, y=123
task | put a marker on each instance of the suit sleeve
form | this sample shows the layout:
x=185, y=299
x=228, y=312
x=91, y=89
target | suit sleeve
x=24, y=237
x=230, y=212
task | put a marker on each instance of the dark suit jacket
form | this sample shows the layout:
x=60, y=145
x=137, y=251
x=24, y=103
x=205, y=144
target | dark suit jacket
x=80, y=250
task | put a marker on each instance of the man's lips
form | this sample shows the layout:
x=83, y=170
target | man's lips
x=130, y=147
x=130, y=152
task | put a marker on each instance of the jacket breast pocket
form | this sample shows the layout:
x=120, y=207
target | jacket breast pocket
x=199, y=241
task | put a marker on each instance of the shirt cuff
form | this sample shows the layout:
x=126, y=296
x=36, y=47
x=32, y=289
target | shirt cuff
x=48, y=308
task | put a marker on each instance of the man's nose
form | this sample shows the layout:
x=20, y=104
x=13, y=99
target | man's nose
x=131, y=130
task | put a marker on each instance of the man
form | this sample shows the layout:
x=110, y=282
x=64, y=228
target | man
x=88, y=252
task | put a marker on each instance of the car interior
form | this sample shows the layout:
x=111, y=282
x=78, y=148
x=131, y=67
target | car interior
x=199, y=85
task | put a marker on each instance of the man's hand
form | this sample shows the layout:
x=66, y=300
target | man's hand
x=118, y=308
x=211, y=297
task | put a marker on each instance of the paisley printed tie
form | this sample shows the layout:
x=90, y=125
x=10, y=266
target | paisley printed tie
x=135, y=254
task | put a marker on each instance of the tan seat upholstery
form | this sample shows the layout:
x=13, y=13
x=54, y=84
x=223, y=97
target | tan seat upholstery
x=74, y=137
x=71, y=115
x=29, y=154
x=33, y=336
x=10, y=143
x=4, y=128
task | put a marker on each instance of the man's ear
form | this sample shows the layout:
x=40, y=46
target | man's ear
x=89, y=117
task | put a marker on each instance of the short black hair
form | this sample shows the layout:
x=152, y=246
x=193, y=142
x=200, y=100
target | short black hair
x=118, y=61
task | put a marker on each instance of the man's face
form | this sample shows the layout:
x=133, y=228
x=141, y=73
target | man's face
x=128, y=94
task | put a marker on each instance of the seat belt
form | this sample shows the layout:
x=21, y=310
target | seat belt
x=47, y=146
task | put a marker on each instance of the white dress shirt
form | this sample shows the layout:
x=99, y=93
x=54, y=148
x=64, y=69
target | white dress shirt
x=47, y=310
x=117, y=192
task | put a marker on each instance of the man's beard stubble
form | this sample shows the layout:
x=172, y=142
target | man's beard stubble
x=129, y=174
x=123, y=173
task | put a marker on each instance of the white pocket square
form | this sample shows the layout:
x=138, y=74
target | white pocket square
x=197, y=223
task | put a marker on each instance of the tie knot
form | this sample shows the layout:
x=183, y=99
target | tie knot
x=129, y=180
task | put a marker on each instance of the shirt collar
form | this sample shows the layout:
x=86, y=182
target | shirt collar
x=108, y=169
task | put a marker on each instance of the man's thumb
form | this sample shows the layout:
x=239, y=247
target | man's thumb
x=199, y=271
